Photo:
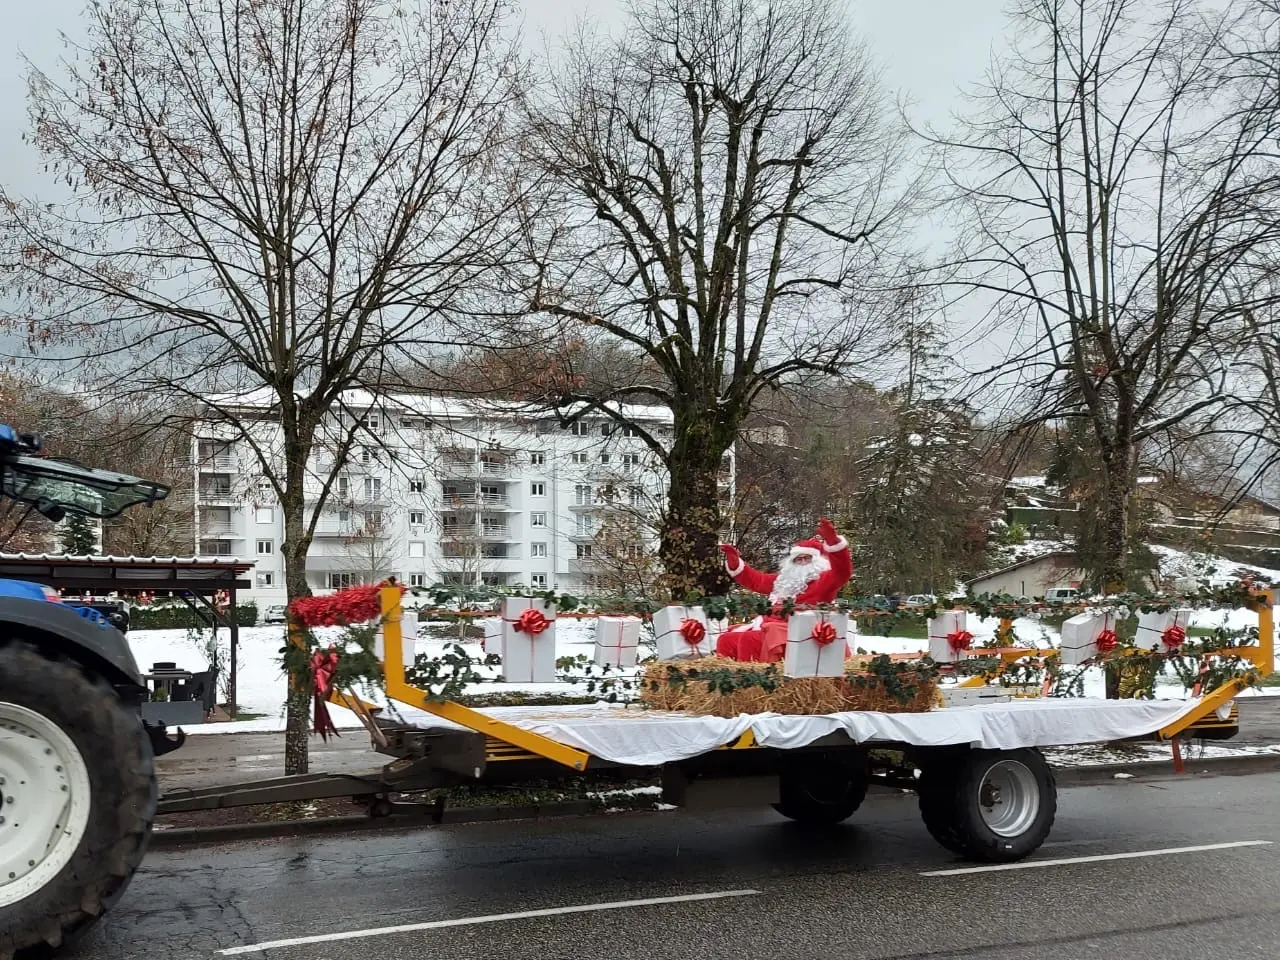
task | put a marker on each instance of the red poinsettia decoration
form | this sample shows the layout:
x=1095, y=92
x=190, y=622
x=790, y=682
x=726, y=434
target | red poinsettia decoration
x=823, y=633
x=693, y=631
x=1174, y=637
x=1107, y=641
x=959, y=640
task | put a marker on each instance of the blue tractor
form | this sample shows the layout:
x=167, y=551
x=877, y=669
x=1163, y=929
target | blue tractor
x=77, y=763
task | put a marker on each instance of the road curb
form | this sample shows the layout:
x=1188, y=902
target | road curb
x=1151, y=770
x=1142, y=771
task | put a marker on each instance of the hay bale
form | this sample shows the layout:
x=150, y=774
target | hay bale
x=716, y=686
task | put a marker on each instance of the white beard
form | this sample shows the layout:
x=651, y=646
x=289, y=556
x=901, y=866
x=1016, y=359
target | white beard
x=794, y=577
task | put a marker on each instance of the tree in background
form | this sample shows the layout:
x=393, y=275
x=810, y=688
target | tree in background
x=720, y=199
x=278, y=201
x=77, y=536
x=1116, y=196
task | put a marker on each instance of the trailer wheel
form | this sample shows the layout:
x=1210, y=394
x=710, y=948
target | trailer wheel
x=821, y=792
x=993, y=805
x=936, y=791
x=78, y=788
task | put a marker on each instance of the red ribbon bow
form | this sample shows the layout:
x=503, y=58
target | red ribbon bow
x=532, y=622
x=959, y=640
x=1107, y=641
x=823, y=633
x=1174, y=637
x=693, y=631
x=324, y=664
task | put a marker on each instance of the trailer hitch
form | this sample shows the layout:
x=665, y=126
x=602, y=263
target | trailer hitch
x=161, y=743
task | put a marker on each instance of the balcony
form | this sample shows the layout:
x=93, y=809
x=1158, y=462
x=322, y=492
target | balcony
x=456, y=467
x=495, y=468
x=220, y=463
x=495, y=532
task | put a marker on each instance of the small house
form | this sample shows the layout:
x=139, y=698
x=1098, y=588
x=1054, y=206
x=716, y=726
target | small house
x=1030, y=578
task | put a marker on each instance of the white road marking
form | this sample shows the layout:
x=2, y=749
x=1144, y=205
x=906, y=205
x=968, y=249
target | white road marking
x=491, y=918
x=1066, y=861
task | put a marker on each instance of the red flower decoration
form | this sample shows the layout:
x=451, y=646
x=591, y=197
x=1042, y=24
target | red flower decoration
x=823, y=633
x=532, y=622
x=959, y=640
x=324, y=664
x=352, y=605
x=693, y=631
x=1107, y=641
x=1174, y=637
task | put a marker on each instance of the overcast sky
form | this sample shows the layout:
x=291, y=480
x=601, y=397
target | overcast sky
x=928, y=50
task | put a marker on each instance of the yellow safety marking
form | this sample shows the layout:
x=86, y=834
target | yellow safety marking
x=1207, y=705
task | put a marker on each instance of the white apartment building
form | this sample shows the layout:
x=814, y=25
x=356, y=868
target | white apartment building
x=440, y=491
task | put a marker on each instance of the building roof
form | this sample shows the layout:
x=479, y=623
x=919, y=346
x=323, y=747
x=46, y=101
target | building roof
x=434, y=406
x=1058, y=554
x=127, y=574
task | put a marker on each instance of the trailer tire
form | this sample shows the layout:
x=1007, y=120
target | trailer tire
x=939, y=809
x=65, y=730
x=822, y=793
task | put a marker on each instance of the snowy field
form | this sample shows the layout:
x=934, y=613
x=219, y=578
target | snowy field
x=261, y=683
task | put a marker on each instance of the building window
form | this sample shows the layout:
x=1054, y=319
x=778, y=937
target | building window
x=636, y=495
x=344, y=488
x=580, y=458
x=373, y=423
x=584, y=551
x=586, y=525
x=340, y=581
x=537, y=519
x=630, y=432
x=366, y=455
x=631, y=459
x=537, y=549
x=537, y=489
x=417, y=518
x=580, y=429
x=344, y=517
x=538, y=580
x=604, y=458
x=263, y=514
x=582, y=494
x=266, y=548
x=537, y=459
x=418, y=486
x=266, y=578
x=417, y=548
x=373, y=488
x=216, y=548
x=373, y=521
x=417, y=579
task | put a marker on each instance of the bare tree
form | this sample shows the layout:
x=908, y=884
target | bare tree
x=1117, y=212
x=277, y=200
x=722, y=178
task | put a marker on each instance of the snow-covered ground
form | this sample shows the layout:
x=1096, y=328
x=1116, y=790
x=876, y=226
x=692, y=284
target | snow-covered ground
x=1175, y=565
x=261, y=682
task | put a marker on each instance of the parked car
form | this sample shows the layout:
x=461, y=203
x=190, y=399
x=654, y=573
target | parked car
x=274, y=614
x=1061, y=595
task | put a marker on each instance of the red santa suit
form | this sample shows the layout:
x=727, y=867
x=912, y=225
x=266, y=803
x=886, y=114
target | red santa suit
x=764, y=640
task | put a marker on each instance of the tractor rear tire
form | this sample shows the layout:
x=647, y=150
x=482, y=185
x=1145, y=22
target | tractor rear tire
x=77, y=798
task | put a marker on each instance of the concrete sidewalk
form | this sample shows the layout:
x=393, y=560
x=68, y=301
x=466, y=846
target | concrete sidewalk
x=211, y=760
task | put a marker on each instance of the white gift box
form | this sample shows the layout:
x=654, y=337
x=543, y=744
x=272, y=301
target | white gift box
x=805, y=656
x=1080, y=636
x=1151, y=627
x=408, y=636
x=940, y=628
x=528, y=657
x=492, y=641
x=673, y=644
x=617, y=640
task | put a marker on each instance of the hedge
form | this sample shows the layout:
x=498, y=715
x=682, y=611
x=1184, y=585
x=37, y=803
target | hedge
x=173, y=617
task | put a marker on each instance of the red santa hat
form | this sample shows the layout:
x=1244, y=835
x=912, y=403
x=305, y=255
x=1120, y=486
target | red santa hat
x=813, y=548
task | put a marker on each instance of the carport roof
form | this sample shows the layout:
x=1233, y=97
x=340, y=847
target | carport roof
x=200, y=575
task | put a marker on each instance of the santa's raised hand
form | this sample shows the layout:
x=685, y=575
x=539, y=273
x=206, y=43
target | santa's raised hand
x=827, y=532
x=732, y=559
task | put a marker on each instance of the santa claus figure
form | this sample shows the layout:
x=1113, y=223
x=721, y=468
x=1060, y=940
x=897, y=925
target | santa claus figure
x=813, y=573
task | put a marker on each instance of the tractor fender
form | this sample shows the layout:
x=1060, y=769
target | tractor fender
x=63, y=631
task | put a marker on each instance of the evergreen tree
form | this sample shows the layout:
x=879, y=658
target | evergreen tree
x=78, y=537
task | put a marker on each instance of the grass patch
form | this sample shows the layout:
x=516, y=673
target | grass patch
x=892, y=627
x=517, y=699
x=1271, y=681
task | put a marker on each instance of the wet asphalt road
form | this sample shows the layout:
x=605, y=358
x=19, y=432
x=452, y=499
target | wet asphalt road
x=855, y=891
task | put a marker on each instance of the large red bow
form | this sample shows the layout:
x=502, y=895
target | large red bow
x=959, y=640
x=324, y=664
x=1107, y=641
x=532, y=622
x=1174, y=637
x=823, y=633
x=693, y=631
x=352, y=605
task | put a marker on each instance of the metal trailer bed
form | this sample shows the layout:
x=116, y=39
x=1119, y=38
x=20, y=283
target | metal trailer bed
x=994, y=805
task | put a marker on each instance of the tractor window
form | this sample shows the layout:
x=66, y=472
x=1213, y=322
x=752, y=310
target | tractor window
x=57, y=484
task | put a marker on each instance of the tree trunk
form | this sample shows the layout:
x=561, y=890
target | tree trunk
x=691, y=533
x=297, y=542
x=1117, y=485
